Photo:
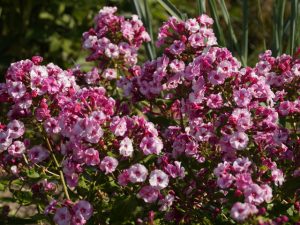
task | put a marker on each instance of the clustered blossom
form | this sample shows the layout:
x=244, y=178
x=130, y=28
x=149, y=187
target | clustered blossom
x=113, y=41
x=197, y=133
x=78, y=213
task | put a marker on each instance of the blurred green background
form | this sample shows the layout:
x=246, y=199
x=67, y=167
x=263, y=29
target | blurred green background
x=53, y=28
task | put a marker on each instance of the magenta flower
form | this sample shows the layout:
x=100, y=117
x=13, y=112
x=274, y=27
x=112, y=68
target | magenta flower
x=108, y=164
x=62, y=216
x=239, y=140
x=37, y=154
x=16, y=129
x=83, y=208
x=148, y=194
x=137, y=173
x=158, y=179
x=241, y=211
x=16, y=149
x=151, y=145
x=91, y=157
x=126, y=147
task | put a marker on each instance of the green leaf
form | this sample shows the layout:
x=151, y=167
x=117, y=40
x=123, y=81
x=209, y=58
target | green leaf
x=201, y=6
x=142, y=9
x=31, y=173
x=229, y=24
x=218, y=29
x=294, y=14
x=23, y=196
x=171, y=9
x=244, y=53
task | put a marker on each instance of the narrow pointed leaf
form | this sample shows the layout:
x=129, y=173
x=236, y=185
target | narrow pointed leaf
x=218, y=29
x=229, y=24
x=171, y=9
x=201, y=6
x=245, y=33
x=293, y=25
x=141, y=10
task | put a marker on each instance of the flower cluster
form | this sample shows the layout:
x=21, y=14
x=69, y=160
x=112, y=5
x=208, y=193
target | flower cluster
x=113, y=42
x=188, y=135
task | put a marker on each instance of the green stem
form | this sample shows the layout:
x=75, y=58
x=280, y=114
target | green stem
x=262, y=24
x=58, y=168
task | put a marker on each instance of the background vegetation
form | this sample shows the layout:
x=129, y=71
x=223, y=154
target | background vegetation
x=53, y=28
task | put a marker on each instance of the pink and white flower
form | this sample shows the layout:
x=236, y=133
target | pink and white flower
x=158, y=179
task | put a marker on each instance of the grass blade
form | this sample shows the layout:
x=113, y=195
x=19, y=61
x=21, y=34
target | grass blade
x=138, y=9
x=294, y=14
x=279, y=8
x=218, y=30
x=201, y=6
x=148, y=23
x=171, y=9
x=229, y=24
x=262, y=24
x=245, y=33
x=281, y=22
x=143, y=12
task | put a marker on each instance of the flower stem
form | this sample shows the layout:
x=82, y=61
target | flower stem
x=58, y=168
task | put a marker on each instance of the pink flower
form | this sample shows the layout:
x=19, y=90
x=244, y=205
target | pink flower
x=192, y=25
x=243, y=180
x=78, y=219
x=89, y=129
x=277, y=176
x=285, y=108
x=216, y=78
x=110, y=74
x=51, y=126
x=123, y=178
x=254, y=194
x=16, y=129
x=16, y=149
x=197, y=40
x=241, y=165
x=158, y=179
x=112, y=51
x=225, y=180
x=83, y=208
x=175, y=170
x=148, y=194
x=16, y=89
x=268, y=192
x=214, y=101
x=37, y=154
x=151, y=145
x=62, y=216
x=241, y=211
x=242, y=97
x=166, y=202
x=118, y=126
x=5, y=140
x=92, y=76
x=91, y=157
x=242, y=118
x=177, y=66
x=137, y=173
x=108, y=164
x=177, y=47
x=239, y=140
x=126, y=147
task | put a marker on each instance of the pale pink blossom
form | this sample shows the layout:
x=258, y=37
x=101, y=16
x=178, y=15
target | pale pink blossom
x=126, y=147
x=148, y=194
x=137, y=173
x=158, y=179
x=108, y=164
